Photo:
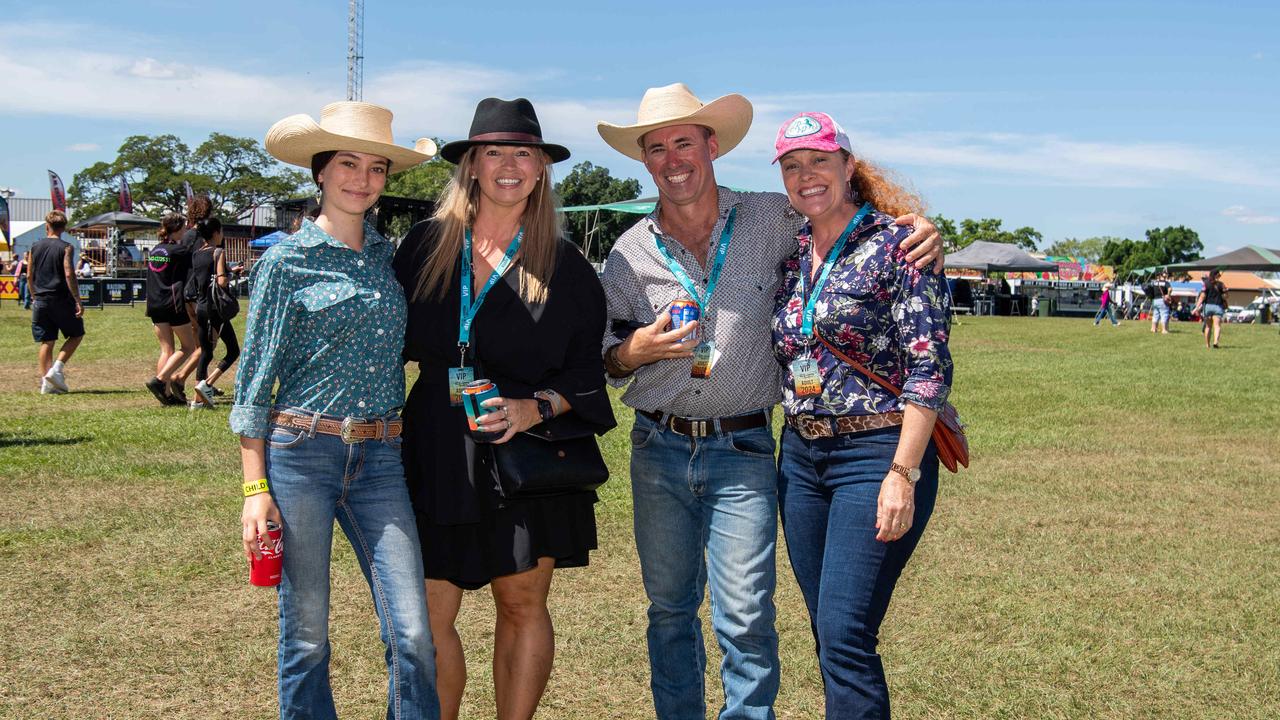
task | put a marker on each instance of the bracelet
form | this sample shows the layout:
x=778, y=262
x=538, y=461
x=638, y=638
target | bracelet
x=255, y=487
x=614, y=366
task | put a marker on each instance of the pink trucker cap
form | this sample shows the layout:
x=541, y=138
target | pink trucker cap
x=811, y=131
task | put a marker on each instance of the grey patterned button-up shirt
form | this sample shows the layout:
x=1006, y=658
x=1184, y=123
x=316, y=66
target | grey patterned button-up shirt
x=638, y=285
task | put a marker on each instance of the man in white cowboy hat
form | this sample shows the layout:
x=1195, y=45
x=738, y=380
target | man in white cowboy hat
x=702, y=462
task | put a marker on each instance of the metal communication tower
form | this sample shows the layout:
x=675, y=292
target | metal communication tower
x=355, y=50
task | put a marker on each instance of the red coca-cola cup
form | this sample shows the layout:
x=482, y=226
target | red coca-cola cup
x=266, y=572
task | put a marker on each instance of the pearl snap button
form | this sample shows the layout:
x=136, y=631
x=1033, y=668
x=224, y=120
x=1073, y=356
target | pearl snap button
x=360, y=404
x=333, y=296
x=377, y=296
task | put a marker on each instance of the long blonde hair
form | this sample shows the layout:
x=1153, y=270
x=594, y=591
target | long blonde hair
x=457, y=211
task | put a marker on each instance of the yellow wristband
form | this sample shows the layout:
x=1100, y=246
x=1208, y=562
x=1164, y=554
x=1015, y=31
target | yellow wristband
x=253, y=487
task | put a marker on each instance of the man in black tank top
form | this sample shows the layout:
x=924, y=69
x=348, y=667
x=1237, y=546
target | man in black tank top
x=57, y=308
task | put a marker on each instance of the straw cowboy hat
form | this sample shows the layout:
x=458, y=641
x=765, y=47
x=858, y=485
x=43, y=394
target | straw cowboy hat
x=347, y=125
x=729, y=117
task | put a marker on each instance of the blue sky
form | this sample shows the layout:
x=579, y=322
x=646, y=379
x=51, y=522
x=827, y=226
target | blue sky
x=1078, y=119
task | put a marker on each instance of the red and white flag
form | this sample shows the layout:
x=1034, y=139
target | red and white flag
x=57, y=192
x=126, y=197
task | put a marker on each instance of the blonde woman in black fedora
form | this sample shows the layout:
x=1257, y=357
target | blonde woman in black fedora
x=536, y=334
x=326, y=322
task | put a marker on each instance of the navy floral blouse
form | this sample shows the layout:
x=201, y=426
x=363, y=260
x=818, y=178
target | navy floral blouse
x=877, y=309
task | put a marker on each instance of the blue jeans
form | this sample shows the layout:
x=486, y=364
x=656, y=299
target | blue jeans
x=828, y=491
x=316, y=479
x=715, y=496
x=1108, y=311
x=24, y=294
x=1160, y=311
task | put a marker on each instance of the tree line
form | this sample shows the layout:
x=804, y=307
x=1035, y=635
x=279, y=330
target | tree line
x=238, y=175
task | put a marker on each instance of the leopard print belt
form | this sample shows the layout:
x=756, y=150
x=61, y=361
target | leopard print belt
x=812, y=427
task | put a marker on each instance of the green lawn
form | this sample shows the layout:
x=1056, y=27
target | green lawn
x=1111, y=554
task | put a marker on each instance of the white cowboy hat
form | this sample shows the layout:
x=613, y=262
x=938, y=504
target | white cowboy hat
x=729, y=117
x=347, y=125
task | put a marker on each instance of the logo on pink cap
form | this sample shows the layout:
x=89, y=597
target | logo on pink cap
x=811, y=131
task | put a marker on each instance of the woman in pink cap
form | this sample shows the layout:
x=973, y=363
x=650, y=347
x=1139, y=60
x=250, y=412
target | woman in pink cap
x=857, y=473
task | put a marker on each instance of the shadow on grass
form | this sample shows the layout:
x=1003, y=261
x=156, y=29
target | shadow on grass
x=8, y=439
x=120, y=391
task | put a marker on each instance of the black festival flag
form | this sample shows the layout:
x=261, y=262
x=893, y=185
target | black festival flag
x=57, y=192
x=126, y=197
x=4, y=222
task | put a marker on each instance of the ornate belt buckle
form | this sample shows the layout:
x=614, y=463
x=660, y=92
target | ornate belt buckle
x=348, y=427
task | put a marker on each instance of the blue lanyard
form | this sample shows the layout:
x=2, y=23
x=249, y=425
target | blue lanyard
x=806, y=324
x=467, y=312
x=717, y=265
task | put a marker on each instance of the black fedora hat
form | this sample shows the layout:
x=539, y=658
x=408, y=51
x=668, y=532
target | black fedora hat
x=504, y=122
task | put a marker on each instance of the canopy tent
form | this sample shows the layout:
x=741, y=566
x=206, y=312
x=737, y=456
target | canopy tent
x=1249, y=257
x=116, y=223
x=989, y=257
x=267, y=241
x=121, y=221
x=639, y=206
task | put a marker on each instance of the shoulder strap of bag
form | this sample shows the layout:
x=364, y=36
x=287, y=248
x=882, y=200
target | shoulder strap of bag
x=859, y=367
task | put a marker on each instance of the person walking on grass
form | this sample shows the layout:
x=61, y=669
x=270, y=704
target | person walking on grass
x=20, y=277
x=1107, y=309
x=1209, y=305
x=51, y=279
x=167, y=266
x=209, y=265
x=1160, y=293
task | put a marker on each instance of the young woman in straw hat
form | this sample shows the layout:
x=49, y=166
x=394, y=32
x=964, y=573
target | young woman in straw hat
x=536, y=334
x=326, y=321
x=857, y=472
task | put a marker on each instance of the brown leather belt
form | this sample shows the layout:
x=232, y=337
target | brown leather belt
x=812, y=427
x=704, y=427
x=351, y=430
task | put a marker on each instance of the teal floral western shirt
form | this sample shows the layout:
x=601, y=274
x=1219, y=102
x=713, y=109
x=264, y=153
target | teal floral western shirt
x=327, y=322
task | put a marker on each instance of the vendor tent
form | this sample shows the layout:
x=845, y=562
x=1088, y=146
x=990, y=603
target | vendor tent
x=267, y=241
x=990, y=257
x=121, y=221
x=1249, y=257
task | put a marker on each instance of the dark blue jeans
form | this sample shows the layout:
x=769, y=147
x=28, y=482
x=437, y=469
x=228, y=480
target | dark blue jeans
x=828, y=490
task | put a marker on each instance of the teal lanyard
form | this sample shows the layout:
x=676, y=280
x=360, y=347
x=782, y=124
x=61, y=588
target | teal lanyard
x=806, y=324
x=467, y=312
x=717, y=264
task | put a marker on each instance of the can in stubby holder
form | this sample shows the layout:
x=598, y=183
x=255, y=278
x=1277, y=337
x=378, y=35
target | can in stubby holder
x=266, y=572
x=683, y=312
x=473, y=395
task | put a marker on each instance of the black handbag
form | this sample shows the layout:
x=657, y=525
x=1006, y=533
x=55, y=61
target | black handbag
x=222, y=300
x=551, y=458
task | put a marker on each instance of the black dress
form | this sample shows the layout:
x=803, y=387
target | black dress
x=469, y=533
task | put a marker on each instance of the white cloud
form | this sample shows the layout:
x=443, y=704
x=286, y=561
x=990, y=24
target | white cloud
x=1242, y=214
x=437, y=98
x=83, y=147
x=1258, y=56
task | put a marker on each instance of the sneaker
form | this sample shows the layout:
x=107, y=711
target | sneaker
x=212, y=390
x=176, y=393
x=204, y=394
x=48, y=388
x=156, y=386
x=197, y=405
x=55, y=378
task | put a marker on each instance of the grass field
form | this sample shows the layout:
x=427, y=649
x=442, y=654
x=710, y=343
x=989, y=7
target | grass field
x=1114, y=552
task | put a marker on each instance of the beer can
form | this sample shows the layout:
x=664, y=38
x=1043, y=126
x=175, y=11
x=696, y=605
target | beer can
x=265, y=572
x=473, y=397
x=683, y=312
